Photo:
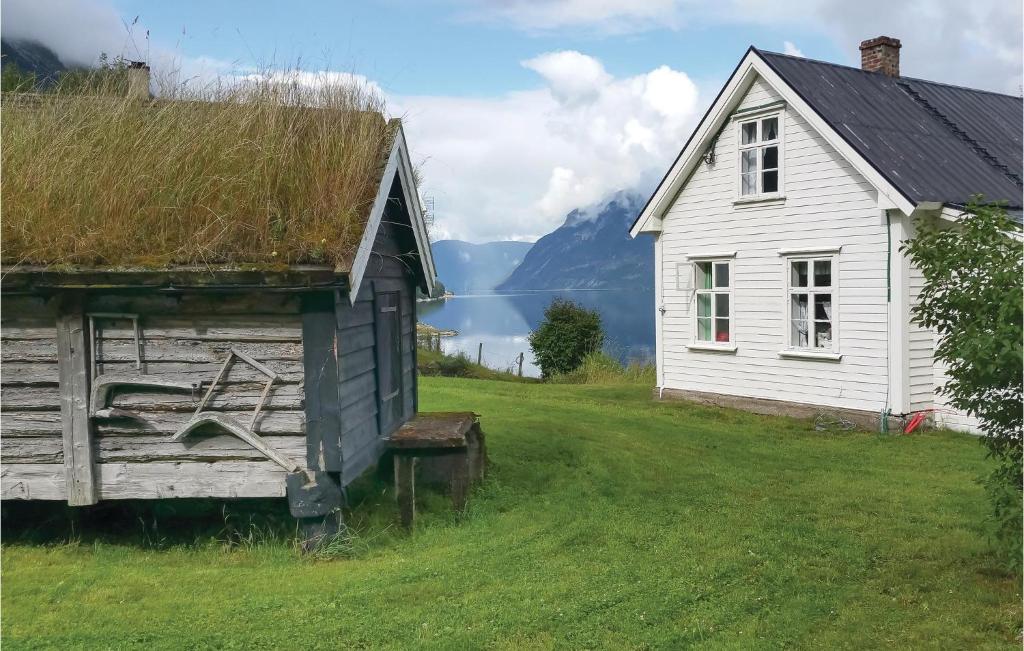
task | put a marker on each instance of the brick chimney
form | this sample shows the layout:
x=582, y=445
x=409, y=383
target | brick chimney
x=138, y=80
x=881, y=54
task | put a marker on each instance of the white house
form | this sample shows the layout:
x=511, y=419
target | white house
x=779, y=282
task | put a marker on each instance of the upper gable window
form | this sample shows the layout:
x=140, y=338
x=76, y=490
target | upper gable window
x=760, y=142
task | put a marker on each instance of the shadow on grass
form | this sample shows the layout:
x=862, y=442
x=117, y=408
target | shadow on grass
x=244, y=524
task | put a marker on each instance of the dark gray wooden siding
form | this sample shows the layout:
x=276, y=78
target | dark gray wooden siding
x=390, y=269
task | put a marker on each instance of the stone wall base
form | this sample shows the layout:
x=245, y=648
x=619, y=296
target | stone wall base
x=865, y=420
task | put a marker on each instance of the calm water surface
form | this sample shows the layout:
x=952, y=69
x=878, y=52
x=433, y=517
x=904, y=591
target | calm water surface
x=502, y=321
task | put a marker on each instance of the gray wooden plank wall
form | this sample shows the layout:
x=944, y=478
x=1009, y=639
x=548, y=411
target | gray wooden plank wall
x=185, y=338
x=361, y=438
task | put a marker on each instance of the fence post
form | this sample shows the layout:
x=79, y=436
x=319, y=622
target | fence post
x=520, y=364
x=480, y=354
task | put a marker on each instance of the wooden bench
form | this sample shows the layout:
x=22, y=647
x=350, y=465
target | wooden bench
x=448, y=447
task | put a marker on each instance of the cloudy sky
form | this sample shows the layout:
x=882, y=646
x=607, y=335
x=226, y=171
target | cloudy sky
x=521, y=110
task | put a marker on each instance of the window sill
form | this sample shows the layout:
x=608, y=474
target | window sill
x=712, y=348
x=760, y=200
x=807, y=354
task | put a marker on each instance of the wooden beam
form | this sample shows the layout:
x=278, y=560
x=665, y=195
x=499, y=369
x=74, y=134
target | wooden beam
x=405, y=489
x=73, y=365
x=320, y=365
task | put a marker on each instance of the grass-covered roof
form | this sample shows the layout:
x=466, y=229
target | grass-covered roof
x=263, y=173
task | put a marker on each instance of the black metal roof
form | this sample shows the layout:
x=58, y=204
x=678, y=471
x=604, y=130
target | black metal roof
x=932, y=141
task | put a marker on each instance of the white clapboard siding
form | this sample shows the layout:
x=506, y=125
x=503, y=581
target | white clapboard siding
x=946, y=415
x=920, y=340
x=827, y=204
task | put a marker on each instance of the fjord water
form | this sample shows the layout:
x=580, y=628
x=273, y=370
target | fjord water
x=502, y=321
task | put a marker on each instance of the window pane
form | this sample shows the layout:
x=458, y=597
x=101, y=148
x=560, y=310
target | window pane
x=722, y=274
x=770, y=158
x=748, y=183
x=704, y=329
x=798, y=334
x=798, y=306
x=703, y=305
x=770, y=182
x=798, y=273
x=748, y=161
x=822, y=273
x=822, y=334
x=721, y=330
x=722, y=305
x=769, y=129
x=749, y=133
x=703, y=275
x=823, y=307
x=798, y=320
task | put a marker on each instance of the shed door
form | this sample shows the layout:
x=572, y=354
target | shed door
x=389, y=360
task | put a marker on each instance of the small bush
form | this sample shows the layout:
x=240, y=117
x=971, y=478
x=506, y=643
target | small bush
x=973, y=297
x=457, y=365
x=567, y=335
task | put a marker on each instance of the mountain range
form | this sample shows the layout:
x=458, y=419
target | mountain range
x=463, y=266
x=590, y=250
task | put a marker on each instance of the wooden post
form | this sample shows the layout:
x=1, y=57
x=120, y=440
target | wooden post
x=405, y=488
x=73, y=370
x=480, y=354
x=315, y=499
x=520, y=364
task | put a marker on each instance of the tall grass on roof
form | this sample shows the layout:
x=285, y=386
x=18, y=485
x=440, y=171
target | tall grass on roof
x=265, y=171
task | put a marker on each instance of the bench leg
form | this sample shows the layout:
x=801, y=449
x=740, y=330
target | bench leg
x=405, y=489
x=460, y=481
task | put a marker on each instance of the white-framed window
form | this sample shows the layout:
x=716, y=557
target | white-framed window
x=760, y=156
x=811, y=303
x=713, y=317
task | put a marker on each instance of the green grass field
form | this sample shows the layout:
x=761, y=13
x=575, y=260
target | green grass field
x=608, y=521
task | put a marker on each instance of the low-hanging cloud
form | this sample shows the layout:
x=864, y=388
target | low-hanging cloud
x=77, y=32
x=513, y=166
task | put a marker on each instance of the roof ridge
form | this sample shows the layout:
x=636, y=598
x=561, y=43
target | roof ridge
x=901, y=78
x=983, y=153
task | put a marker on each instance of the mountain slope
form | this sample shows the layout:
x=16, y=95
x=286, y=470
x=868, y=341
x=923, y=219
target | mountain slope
x=463, y=266
x=30, y=56
x=590, y=252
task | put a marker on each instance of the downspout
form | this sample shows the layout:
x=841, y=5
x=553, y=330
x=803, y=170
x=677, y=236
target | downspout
x=883, y=417
x=659, y=344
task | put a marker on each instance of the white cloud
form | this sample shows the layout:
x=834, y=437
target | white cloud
x=572, y=77
x=609, y=16
x=513, y=166
x=76, y=31
x=79, y=31
x=976, y=43
x=792, y=50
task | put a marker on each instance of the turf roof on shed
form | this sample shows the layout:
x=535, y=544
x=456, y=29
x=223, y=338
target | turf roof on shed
x=196, y=183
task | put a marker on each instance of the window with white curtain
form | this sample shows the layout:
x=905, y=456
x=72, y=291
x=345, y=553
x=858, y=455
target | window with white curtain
x=760, y=160
x=811, y=305
x=713, y=289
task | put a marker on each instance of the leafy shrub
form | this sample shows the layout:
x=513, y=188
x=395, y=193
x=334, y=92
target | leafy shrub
x=600, y=368
x=567, y=335
x=973, y=297
x=457, y=365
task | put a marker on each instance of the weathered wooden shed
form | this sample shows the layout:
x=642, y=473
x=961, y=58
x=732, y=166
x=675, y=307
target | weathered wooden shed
x=222, y=382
